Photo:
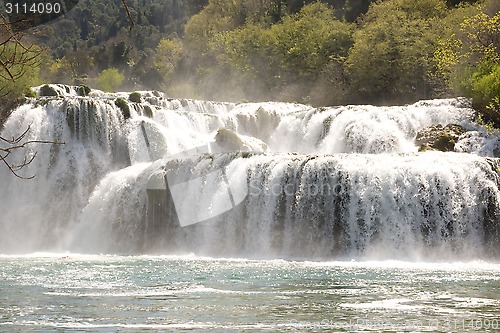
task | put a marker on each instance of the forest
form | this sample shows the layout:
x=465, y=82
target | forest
x=327, y=52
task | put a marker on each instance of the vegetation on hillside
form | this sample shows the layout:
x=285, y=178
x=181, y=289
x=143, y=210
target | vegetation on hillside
x=318, y=52
x=468, y=56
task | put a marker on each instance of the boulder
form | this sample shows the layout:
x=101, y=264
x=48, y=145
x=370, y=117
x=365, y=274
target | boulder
x=229, y=140
x=439, y=137
x=83, y=90
x=47, y=91
x=135, y=97
x=147, y=111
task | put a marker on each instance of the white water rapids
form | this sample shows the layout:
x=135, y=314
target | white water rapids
x=284, y=180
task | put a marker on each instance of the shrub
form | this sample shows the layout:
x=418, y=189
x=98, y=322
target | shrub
x=110, y=79
x=30, y=93
x=135, y=97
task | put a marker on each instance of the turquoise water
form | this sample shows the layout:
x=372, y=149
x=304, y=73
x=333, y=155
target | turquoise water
x=75, y=293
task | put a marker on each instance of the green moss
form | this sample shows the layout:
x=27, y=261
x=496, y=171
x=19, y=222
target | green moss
x=446, y=142
x=30, y=93
x=437, y=137
x=123, y=105
x=135, y=97
x=148, y=112
x=425, y=147
x=47, y=90
x=83, y=90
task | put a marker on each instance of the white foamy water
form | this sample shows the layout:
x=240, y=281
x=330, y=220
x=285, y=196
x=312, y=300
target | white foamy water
x=277, y=180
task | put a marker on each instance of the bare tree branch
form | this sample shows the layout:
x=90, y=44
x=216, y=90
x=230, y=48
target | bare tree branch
x=15, y=168
x=15, y=144
x=15, y=58
x=15, y=55
x=132, y=23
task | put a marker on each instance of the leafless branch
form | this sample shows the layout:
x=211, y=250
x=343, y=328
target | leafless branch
x=15, y=58
x=15, y=144
x=15, y=55
x=132, y=23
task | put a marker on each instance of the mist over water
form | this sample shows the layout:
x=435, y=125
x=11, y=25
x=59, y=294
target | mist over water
x=319, y=183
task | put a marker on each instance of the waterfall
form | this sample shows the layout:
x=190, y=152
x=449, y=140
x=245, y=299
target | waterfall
x=37, y=213
x=251, y=180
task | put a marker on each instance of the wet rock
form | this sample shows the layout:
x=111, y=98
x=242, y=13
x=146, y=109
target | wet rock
x=135, y=97
x=439, y=137
x=83, y=90
x=123, y=105
x=148, y=111
x=46, y=91
x=229, y=140
x=232, y=141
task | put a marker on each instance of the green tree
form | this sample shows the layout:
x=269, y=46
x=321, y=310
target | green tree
x=73, y=68
x=110, y=79
x=469, y=59
x=352, y=9
x=216, y=17
x=21, y=75
x=169, y=53
x=221, y=16
x=305, y=42
x=19, y=66
x=485, y=87
x=393, y=51
x=288, y=55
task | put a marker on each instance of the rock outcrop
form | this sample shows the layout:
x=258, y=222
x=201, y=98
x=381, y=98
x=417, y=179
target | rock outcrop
x=439, y=137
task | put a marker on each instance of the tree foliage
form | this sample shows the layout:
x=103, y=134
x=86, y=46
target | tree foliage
x=393, y=49
x=110, y=79
x=469, y=58
x=272, y=58
x=168, y=54
x=319, y=52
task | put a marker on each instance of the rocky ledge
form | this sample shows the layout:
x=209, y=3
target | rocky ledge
x=439, y=137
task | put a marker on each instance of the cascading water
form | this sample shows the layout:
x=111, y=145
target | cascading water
x=277, y=180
